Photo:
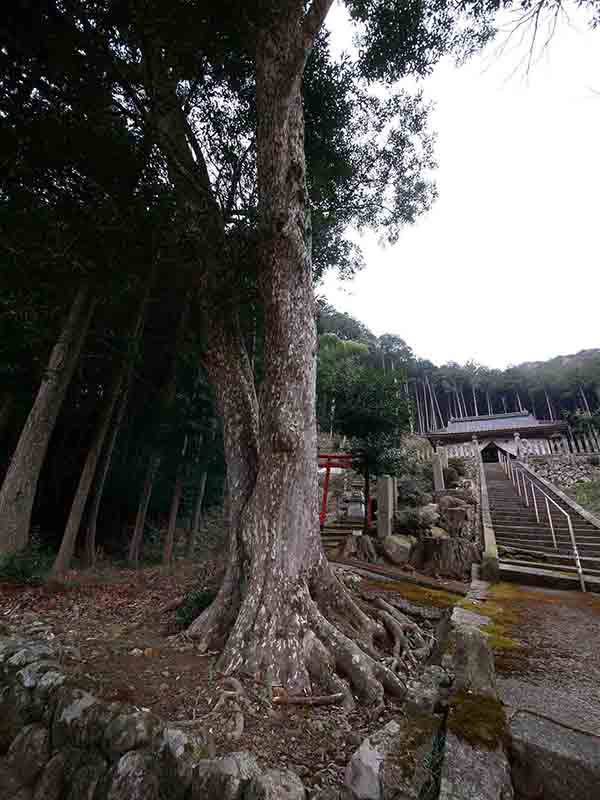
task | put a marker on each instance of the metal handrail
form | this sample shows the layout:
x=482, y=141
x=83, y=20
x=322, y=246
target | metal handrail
x=513, y=472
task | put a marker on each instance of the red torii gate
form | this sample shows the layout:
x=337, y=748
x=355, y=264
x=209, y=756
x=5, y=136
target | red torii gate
x=327, y=461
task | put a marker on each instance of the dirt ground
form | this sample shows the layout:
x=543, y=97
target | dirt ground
x=118, y=642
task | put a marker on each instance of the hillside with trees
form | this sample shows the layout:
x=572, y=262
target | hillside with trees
x=564, y=387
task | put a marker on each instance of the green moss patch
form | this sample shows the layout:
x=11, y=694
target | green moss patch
x=423, y=595
x=477, y=719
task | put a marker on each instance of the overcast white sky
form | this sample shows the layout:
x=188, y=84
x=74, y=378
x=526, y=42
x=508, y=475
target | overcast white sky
x=506, y=266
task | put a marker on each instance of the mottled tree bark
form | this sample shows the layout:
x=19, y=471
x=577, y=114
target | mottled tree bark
x=20, y=483
x=281, y=615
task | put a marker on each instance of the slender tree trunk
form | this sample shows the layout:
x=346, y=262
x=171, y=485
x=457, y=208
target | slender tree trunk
x=504, y=404
x=135, y=545
x=437, y=405
x=20, y=483
x=426, y=407
x=489, y=403
x=103, y=470
x=585, y=401
x=475, y=401
x=519, y=402
x=419, y=414
x=173, y=513
x=197, y=517
x=550, y=412
x=92, y=523
x=464, y=405
x=67, y=545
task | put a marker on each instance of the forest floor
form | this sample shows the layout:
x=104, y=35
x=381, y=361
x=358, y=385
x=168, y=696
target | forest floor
x=118, y=642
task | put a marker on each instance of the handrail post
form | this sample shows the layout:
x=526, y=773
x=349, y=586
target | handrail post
x=537, y=513
x=576, y=554
x=518, y=484
x=525, y=490
x=550, y=521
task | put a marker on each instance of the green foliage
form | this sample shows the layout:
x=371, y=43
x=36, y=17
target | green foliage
x=193, y=605
x=587, y=494
x=30, y=566
x=458, y=465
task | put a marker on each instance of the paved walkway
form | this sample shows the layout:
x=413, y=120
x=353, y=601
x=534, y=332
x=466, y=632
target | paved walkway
x=547, y=649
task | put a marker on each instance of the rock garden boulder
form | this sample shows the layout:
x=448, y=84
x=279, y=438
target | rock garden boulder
x=398, y=548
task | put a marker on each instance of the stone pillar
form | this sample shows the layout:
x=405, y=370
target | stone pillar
x=517, y=438
x=476, y=451
x=395, y=494
x=443, y=451
x=438, y=473
x=385, y=505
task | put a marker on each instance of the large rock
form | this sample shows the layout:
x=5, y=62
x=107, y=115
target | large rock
x=398, y=548
x=472, y=661
x=134, y=778
x=551, y=761
x=474, y=773
x=275, y=784
x=225, y=778
x=363, y=773
x=29, y=753
x=51, y=782
x=429, y=515
x=396, y=762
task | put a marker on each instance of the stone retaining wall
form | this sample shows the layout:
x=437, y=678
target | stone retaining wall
x=564, y=471
x=58, y=742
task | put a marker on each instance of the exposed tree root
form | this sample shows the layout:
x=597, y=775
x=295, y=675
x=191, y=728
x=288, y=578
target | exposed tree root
x=312, y=644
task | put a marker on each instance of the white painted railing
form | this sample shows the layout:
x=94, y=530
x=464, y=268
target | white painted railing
x=520, y=481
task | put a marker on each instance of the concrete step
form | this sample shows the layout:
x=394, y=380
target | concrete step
x=566, y=569
x=562, y=530
x=547, y=546
x=558, y=560
x=545, y=577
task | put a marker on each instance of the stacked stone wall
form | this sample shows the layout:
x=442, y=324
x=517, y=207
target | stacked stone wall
x=58, y=742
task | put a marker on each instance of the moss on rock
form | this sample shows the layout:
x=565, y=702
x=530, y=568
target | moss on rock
x=477, y=719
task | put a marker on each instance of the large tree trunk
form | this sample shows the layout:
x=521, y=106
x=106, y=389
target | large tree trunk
x=287, y=620
x=20, y=483
x=135, y=545
x=197, y=517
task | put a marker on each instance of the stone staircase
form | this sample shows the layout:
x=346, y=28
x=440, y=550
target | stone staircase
x=526, y=548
